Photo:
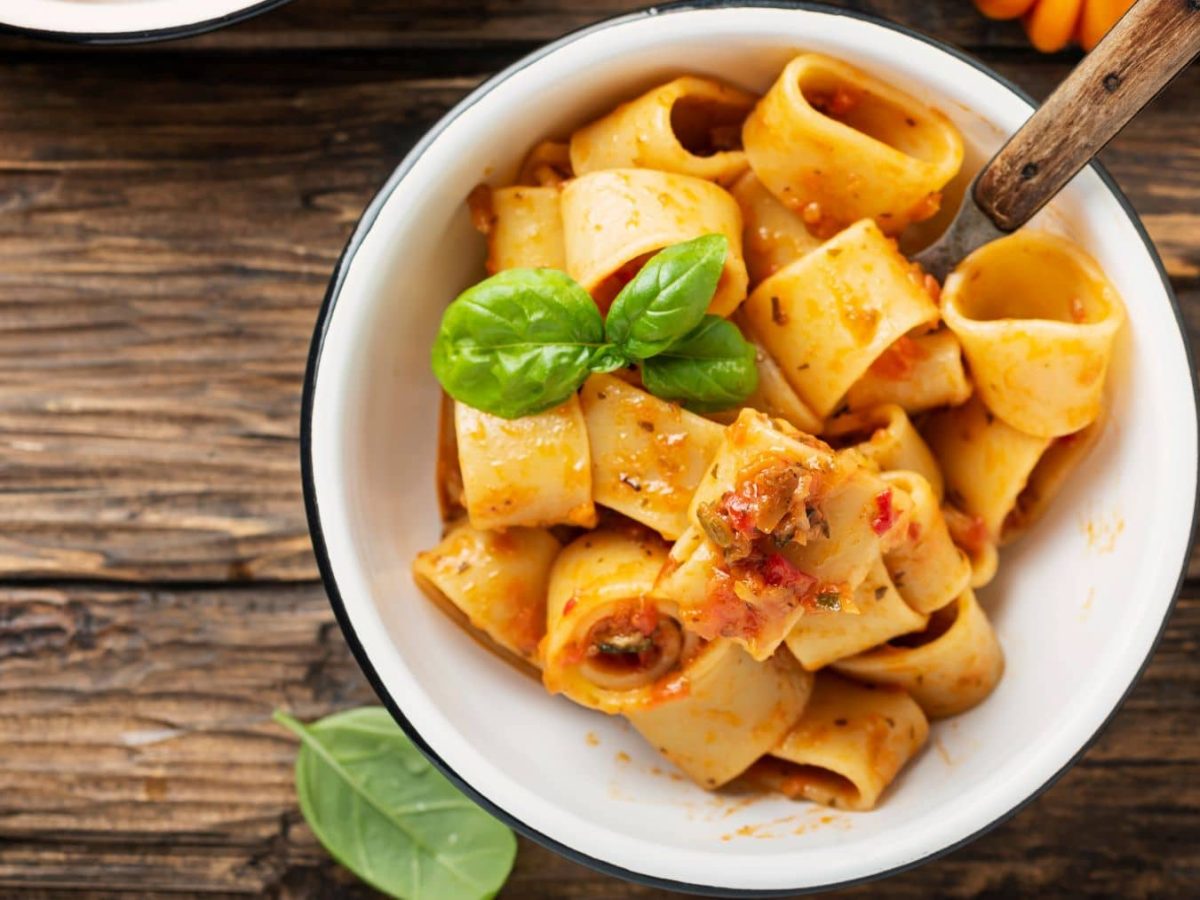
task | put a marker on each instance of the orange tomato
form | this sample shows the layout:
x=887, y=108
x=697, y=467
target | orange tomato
x=1052, y=24
x=1099, y=16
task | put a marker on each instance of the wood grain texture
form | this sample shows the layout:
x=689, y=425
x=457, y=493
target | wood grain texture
x=168, y=219
x=163, y=252
x=139, y=755
x=387, y=24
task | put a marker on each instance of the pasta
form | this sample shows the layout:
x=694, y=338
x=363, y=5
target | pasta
x=829, y=315
x=530, y=471
x=928, y=568
x=774, y=234
x=950, y=667
x=525, y=229
x=987, y=463
x=648, y=455
x=1037, y=319
x=970, y=535
x=691, y=126
x=608, y=644
x=714, y=456
x=877, y=614
x=1047, y=478
x=734, y=711
x=885, y=436
x=915, y=373
x=849, y=745
x=615, y=218
x=837, y=145
x=547, y=165
x=782, y=525
x=497, y=580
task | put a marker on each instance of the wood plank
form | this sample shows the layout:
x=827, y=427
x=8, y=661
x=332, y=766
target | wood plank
x=376, y=24
x=163, y=253
x=139, y=756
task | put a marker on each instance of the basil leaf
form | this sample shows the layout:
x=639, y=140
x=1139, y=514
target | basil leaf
x=386, y=814
x=608, y=359
x=667, y=298
x=519, y=342
x=711, y=368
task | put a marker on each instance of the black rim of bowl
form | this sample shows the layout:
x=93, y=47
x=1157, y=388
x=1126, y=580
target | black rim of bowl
x=117, y=38
x=314, y=517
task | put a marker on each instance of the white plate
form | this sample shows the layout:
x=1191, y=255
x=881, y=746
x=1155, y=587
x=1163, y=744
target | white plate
x=1078, y=605
x=126, y=21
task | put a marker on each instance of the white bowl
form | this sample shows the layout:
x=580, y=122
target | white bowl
x=125, y=21
x=1078, y=605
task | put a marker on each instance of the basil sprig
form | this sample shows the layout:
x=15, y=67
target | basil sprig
x=667, y=298
x=524, y=340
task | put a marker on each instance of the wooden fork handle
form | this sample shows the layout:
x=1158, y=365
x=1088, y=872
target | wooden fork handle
x=1150, y=45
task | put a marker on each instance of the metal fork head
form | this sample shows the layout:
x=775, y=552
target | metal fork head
x=969, y=231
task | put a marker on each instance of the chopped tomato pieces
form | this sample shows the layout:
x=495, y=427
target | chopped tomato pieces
x=742, y=512
x=778, y=571
x=885, y=512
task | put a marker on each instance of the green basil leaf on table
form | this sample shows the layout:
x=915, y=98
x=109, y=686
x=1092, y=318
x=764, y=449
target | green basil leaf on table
x=668, y=297
x=384, y=812
x=520, y=342
x=711, y=368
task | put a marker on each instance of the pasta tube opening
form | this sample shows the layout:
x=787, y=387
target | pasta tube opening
x=822, y=116
x=800, y=781
x=840, y=97
x=939, y=623
x=705, y=125
x=848, y=746
x=608, y=644
x=630, y=647
x=1037, y=319
x=690, y=126
x=948, y=668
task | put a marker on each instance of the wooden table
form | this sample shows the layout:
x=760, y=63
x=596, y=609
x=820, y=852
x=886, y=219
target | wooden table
x=169, y=216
